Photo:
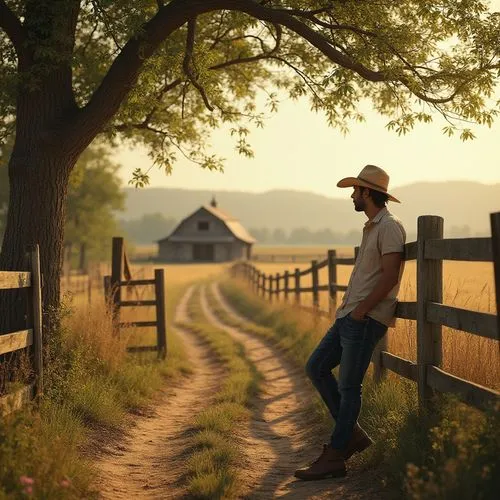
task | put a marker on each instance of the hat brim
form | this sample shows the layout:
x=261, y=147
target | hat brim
x=354, y=181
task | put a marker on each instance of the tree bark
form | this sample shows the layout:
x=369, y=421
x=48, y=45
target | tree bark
x=38, y=190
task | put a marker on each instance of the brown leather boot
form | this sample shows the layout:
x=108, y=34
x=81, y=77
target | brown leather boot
x=359, y=441
x=329, y=464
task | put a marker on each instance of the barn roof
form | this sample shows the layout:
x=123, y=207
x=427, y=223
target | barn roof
x=231, y=223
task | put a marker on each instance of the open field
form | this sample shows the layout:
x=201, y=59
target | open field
x=468, y=285
x=139, y=252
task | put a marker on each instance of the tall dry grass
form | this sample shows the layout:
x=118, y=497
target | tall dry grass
x=90, y=384
x=468, y=285
x=450, y=453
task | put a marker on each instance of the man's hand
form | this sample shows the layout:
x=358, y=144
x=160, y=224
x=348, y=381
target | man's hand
x=358, y=314
x=391, y=264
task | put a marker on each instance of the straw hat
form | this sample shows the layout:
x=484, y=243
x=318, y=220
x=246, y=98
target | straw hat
x=371, y=177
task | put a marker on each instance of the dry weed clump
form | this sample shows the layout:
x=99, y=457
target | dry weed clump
x=92, y=328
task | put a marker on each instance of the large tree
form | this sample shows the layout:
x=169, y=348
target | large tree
x=164, y=72
x=94, y=196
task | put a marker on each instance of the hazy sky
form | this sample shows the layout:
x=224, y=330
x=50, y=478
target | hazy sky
x=297, y=150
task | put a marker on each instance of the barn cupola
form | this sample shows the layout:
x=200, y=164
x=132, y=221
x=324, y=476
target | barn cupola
x=213, y=203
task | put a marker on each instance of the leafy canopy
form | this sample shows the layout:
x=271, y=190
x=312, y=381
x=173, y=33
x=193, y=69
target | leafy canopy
x=410, y=58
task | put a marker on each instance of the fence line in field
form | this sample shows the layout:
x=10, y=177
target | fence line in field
x=121, y=276
x=429, y=250
x=31, y=336
x=283, y=257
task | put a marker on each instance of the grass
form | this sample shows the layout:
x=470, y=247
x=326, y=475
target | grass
x=213, y=464
x=449, y=454
x=91, y=384
x=468, y=285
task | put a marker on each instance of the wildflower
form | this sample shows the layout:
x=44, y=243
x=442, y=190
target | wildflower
x=26, y=480
x=28, y=490
x=65, y=483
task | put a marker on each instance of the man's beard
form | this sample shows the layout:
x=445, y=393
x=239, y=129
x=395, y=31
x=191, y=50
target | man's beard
x=359, y=206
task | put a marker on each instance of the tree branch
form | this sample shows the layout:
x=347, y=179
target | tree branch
x=186, y=64
x=13, y=28
x=264, y=55
x=124, y=71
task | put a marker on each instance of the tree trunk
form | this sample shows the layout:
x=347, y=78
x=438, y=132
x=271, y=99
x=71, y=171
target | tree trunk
x=38, y=189
x=83, y=257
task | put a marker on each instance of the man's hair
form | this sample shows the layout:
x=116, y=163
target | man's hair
x=379, y=198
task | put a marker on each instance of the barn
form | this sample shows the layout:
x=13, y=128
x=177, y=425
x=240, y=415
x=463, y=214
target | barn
x=207, y=235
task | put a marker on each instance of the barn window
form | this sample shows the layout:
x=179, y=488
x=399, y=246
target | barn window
x=203, y=226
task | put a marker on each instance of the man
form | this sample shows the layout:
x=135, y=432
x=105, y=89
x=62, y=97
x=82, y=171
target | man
x=363, y=318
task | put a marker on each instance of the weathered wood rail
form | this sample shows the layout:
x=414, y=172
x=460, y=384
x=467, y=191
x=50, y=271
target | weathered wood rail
x=430, y=313
x=31, y=336
x=121, y=276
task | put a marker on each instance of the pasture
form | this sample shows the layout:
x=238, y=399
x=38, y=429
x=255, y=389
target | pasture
x=469, y=285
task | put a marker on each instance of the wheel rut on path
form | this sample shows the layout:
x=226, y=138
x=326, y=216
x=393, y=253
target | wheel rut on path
x=278, y=438
x=151, y=461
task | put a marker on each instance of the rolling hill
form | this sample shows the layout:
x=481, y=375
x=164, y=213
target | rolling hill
x=461, y=203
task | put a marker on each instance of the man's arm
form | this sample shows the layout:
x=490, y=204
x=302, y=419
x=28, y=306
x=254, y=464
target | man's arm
x=391, y=265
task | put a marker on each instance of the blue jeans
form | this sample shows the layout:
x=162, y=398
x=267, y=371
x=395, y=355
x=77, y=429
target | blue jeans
x=350, y=344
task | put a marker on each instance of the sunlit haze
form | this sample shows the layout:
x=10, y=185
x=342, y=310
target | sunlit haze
x=297, y=150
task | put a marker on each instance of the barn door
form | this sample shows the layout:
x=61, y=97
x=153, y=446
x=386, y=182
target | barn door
x=203, y=252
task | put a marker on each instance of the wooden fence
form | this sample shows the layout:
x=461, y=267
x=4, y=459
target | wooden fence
x=121, y=276
x=31, y=337
x=83, y=283
x=430, y=313
x=285, y=257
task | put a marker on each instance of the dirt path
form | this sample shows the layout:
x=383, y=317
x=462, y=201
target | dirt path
x=150, y=461
x=278, y=441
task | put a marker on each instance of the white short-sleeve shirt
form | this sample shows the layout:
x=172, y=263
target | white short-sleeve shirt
x=381, y=235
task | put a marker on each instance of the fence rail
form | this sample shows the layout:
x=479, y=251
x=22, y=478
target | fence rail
x=31, y=337
x=428, y=311
x=121, y=276
x=281, y=257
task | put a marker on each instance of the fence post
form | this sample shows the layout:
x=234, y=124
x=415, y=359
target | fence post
x=35, y=315
x=429, y=288
x=332, y=281
x=277, y=287
x=495, y=244
x=356, y=253
x=285, y=284
x=297, y=285
x=263, y=281
x=107, y=290
x=270, y=288
x=161, y=333
x=116, y=276
x=315, y=283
